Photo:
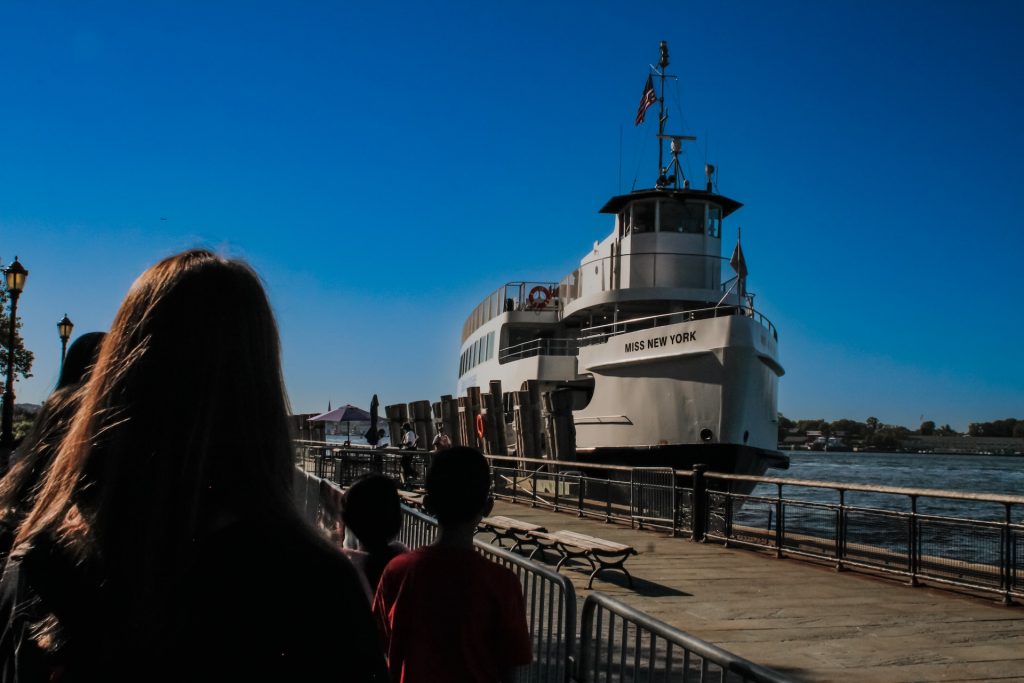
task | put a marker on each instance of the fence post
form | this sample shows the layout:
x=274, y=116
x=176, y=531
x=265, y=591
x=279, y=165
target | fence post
x=780, y=523
x=699, y=504
x=841, y=531
x=1008, y=557
x=579, y=503
x=914, y=550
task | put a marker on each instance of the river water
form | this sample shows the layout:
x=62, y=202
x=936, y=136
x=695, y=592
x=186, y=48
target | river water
x=974, y=473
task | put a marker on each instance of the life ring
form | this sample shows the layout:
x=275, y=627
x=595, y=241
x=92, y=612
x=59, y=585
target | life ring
x=480, y=426
x=539, y=296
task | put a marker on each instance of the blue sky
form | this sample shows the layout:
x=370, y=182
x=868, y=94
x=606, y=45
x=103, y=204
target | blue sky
x=385, y=166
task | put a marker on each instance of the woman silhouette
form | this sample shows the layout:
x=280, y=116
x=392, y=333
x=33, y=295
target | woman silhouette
x=165, y=543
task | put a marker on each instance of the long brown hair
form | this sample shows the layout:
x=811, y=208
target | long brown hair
x=182, y=427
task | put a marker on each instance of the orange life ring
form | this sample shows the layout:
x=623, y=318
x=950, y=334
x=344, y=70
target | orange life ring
x=536, y=294
x=480, y=426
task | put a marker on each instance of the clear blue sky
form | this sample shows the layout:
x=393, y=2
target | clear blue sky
x=386, y=165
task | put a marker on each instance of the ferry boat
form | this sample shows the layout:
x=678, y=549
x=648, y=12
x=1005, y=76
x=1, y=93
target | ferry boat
x=666, y=364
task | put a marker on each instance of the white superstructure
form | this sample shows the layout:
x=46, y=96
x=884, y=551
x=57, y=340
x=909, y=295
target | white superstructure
x=667, y=364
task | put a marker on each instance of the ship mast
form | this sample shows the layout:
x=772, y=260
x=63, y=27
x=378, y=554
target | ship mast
x=664, y=179
x=662, y=116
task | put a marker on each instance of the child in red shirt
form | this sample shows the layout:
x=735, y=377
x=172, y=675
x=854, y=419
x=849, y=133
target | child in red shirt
x=446, y=613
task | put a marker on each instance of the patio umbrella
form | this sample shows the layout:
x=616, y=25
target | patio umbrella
x=371, y=436
x=347, y=413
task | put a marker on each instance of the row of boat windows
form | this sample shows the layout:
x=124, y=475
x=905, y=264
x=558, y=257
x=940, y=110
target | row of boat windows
x=482, y=349
x=670, y=215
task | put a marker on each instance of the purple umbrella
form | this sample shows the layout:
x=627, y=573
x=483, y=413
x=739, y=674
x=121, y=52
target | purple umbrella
x=346, y=413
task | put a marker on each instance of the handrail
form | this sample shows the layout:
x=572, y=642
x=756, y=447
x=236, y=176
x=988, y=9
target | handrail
x=872, y=488
x=976, y=549
x=620, y=327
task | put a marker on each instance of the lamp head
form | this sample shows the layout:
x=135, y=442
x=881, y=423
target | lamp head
x=16, y=276
x=64, y=328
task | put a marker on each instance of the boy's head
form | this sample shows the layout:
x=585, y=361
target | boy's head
x=372, y=509
x=458, y=486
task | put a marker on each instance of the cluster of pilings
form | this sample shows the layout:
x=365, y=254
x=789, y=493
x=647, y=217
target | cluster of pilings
x=529, y=423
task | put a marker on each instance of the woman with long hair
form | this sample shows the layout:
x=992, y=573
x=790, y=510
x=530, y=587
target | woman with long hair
x=165, y=543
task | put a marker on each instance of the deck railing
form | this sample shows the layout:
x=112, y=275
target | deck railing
x=967, y=540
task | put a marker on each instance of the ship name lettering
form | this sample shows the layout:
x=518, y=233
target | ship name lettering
x=656, y=342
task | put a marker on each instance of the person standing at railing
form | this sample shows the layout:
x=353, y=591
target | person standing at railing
x=410, y=439
x=442, y=441
x=165, y=543
x=445, y=612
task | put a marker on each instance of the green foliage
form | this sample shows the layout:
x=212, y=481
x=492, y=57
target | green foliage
x=1007, y=427
x=927, y=428
x=872, y=424
x=22, y=357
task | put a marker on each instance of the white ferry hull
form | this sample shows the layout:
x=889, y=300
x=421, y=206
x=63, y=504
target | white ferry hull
x=703, y=382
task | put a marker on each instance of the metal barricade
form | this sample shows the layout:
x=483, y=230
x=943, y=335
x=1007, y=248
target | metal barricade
x=619, y=643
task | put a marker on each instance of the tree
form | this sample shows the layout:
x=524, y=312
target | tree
x=872, y=423
x=927, y=428
x=946, y=430
x=22, y=357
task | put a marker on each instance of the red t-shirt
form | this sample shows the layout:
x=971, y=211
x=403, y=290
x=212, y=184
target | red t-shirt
x=449, y=614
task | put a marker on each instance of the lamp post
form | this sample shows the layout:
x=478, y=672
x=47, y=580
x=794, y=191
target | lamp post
x=15, y=275
x=64, y=328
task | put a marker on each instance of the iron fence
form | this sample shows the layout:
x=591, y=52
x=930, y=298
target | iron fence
x=892, y=530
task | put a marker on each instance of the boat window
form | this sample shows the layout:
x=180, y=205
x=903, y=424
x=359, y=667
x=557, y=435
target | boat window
x=714, y=226
x=672, y=216
x=693, y=222
x=643, y=216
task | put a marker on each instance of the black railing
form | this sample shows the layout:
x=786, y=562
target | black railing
x=976, y=542
x=539, y=347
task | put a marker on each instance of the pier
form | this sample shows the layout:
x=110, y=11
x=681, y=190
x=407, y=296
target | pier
x=807, y=621
x=772, y=595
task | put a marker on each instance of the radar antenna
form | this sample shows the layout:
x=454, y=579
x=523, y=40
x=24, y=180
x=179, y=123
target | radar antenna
x=666, y=180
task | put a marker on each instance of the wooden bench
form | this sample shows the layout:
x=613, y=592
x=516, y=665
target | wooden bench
x=412, y=499
x=508, y=528
x=600, y=554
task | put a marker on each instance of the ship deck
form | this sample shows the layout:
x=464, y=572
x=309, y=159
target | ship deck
x=802, y=619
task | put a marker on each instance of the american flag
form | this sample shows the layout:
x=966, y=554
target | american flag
x=646, y=100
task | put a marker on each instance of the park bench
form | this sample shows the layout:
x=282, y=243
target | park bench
x=411, y=499
x=510, y=529
x=600, y=554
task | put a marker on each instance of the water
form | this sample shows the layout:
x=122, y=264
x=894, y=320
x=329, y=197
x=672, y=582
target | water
x=973, y=473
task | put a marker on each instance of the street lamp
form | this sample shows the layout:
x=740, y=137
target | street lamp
x=16, y=276
x=64, y=328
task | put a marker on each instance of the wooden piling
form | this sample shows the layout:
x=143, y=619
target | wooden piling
x=560, y=428
x=450, y=418
x=465, y=429
x=397, y=416
x=422, y=421
x=501, y=437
